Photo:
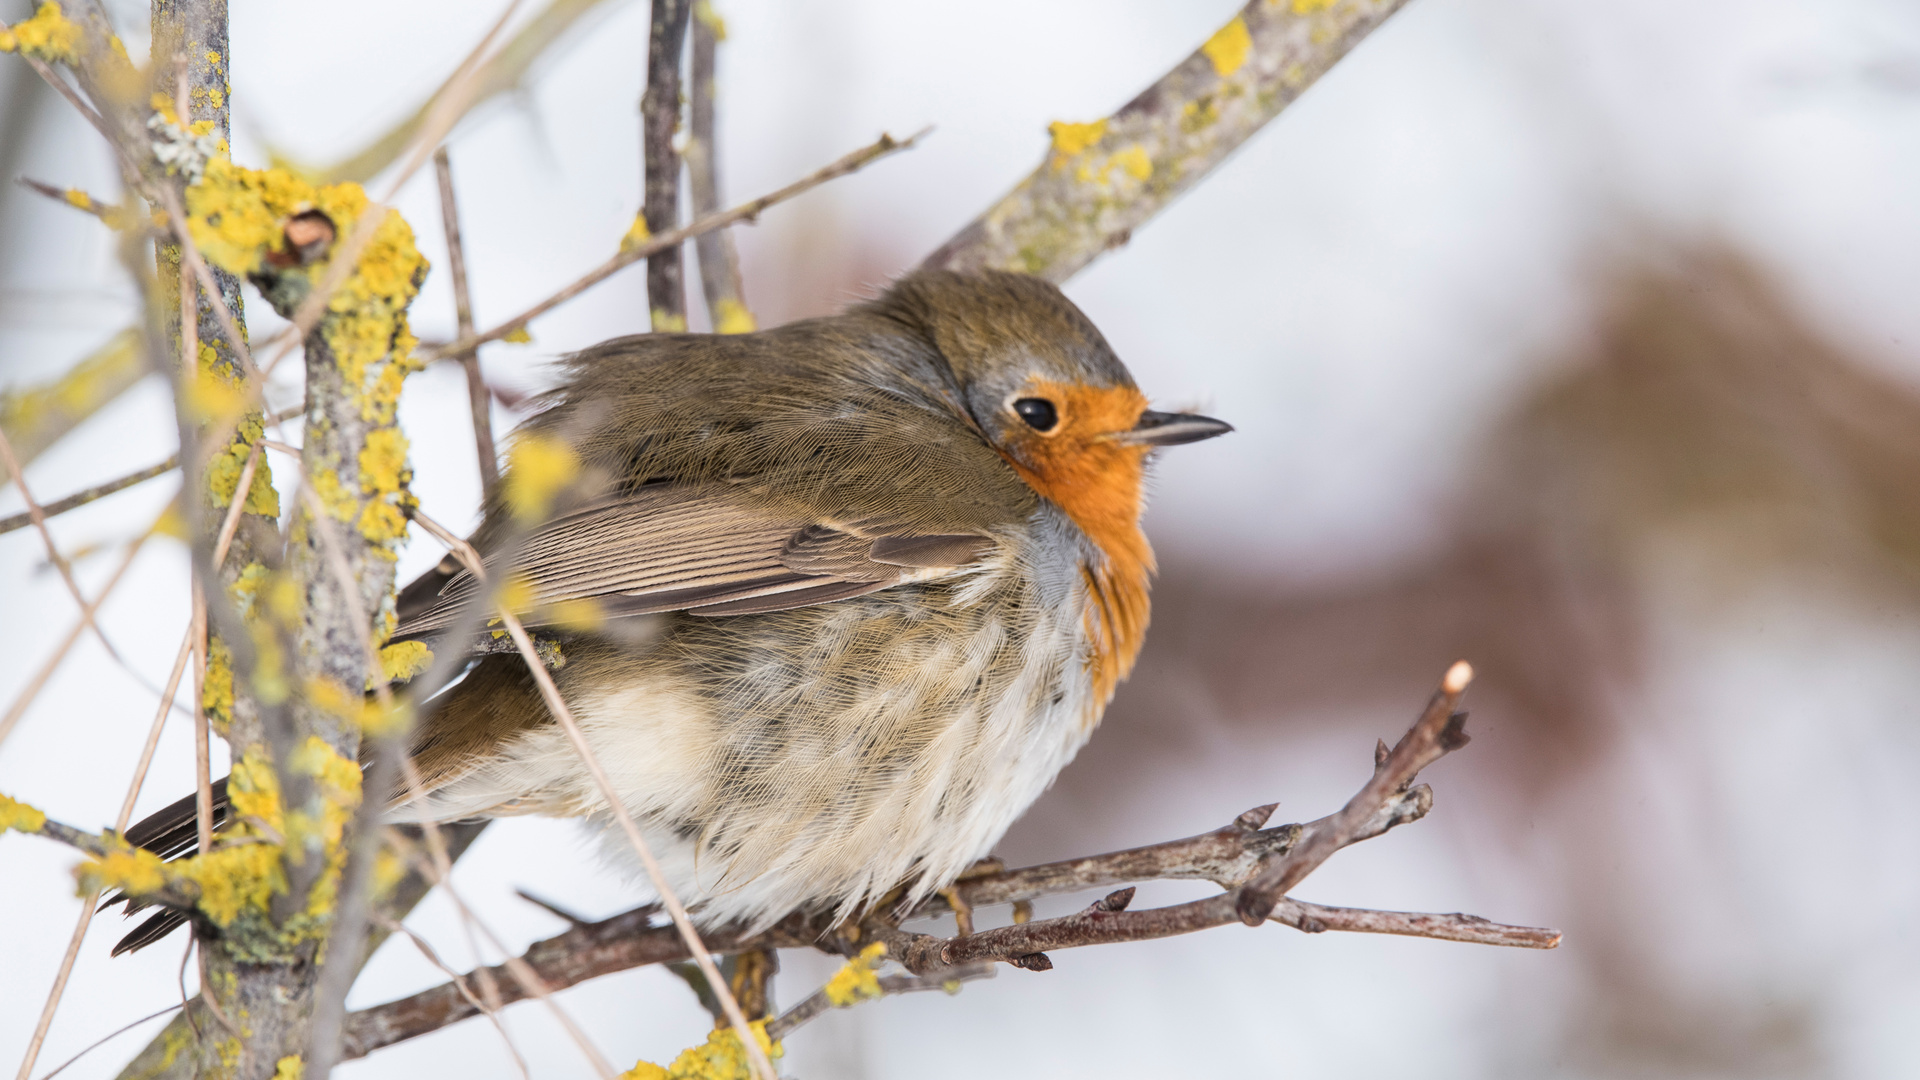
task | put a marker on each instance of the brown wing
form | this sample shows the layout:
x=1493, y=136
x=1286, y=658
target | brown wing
x=712, y=550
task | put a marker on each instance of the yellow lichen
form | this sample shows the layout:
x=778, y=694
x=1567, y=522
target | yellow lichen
x=538, y=469
x=384, y=476
x=404, y=660
x=237, y=217
x=76, y=197
x=289, y=1068
x=20, y=817
x=1135, y=161
x=637, y=233
x=1071, y=139
x=134, y=871
x=711, y=19
x=732, y=317
x=48, y=36
x=1227, y=49
x=234, y=879
x=333, y=495
x=667, y=322
x=518, y=336
x=1308, y=7
x=855, y=981
x=216, y=687
x=721, y=1057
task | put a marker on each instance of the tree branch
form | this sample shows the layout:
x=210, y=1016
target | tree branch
x=659, y=122
x=479, y=401
x=1226, y=856
x=1100, y=181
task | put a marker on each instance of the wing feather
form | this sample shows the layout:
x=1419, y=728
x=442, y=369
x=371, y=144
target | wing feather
x=713, y=549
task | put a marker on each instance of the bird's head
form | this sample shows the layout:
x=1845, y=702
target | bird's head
x=1047, y=391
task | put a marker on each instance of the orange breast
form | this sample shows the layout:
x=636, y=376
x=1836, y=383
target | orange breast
x=1099, y=484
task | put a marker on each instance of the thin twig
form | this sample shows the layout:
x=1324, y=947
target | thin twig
x=1438, y=732
x=479, y=401
x=440, y=869
x=98, y=491
x=746, y=211
x=719, y=262
x=762, y=1066
x=59, y=561
x=34, y=685
x=92, y=900
x=492, y=1012
x=108, y=1037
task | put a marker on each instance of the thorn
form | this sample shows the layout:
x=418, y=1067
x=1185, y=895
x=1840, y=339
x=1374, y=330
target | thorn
x=1458, y=676
x=1117, y=900
x=552, y=908
x=1036, y=961
x=1380, y=752
x=1255, y=818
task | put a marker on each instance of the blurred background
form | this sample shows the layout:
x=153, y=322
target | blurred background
x=1578, y=340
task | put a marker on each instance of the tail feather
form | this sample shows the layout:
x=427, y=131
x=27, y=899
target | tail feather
x=172, y=832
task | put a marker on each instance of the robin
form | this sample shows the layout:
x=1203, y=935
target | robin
x=864, y=585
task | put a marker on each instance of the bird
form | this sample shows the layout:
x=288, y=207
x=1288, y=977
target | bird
x=856, y=589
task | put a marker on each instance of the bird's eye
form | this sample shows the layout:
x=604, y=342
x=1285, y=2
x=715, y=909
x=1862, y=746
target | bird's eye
x=1039, y=413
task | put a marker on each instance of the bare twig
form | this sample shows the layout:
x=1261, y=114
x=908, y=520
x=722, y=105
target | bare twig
x=59, y=561
x=660, y=162
x=563, y=714
x=746, y=211
x=719, y=263
x=98, y=491
x=479, y=401
x=1100, y=181
x=492, y=1012
x=121, y=483
x=32, y=690
x=1439, y=731
x=92, y=899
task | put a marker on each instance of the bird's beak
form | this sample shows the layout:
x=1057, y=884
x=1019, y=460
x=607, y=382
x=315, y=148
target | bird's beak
x=1172, y=429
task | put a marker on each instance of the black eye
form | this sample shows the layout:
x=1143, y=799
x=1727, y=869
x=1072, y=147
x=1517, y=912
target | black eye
x=1037, y=412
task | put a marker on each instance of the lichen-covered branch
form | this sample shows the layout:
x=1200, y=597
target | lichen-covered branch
x=1102, y=179
x=659, y=122
x=35, y=417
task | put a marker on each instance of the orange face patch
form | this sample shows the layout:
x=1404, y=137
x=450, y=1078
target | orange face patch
x=1098, y=482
